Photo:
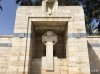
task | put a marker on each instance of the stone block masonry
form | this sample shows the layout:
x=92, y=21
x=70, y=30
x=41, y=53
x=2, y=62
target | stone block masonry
x=74, y=52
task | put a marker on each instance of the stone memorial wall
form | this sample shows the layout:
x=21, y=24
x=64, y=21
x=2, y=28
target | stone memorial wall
x=25, y=53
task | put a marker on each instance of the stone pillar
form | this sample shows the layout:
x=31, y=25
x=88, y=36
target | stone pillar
x=21, y=42
x=77, y=51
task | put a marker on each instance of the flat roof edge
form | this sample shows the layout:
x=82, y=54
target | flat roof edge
x=6, y=36
x=93, y=36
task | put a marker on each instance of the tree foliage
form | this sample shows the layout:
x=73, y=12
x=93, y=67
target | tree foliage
x=92, y=16
x=24, y=2
x=0, y=5
x=29, y=2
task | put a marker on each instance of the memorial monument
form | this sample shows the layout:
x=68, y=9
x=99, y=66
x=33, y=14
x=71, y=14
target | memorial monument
x=49, y=39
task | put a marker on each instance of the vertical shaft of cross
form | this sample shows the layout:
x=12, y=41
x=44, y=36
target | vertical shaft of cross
x=49, y=56
x=49, y=39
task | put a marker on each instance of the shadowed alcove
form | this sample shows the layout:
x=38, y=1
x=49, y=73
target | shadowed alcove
x=94, y=60
x=38, y=48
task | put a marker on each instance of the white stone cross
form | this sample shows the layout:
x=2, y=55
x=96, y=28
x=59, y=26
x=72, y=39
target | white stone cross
x=49, y=39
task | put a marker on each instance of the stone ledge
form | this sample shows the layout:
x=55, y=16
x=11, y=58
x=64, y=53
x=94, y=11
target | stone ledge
x=6, y=36
x=5, y=44
x=93, y=36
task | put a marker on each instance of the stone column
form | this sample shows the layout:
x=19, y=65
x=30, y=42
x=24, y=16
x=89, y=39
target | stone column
x=77, y=51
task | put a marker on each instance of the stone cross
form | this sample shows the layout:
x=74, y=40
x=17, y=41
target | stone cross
x=49, y=39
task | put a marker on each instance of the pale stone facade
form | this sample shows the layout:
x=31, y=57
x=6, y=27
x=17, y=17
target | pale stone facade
x=73, y=53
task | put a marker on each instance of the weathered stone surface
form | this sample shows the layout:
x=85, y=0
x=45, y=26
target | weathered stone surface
x=74, y=53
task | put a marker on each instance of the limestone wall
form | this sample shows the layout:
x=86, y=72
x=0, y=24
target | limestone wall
x=8, y=61
x=6, y=39
x=12, y=54
x=74, y=15
x=94, y=54
x=16, y=53
x=5, y=47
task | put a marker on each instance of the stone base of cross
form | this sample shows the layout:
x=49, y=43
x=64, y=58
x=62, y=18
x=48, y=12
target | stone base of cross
x=49, y=39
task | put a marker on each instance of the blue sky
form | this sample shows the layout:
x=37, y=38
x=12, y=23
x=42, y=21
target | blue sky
x=7, y=17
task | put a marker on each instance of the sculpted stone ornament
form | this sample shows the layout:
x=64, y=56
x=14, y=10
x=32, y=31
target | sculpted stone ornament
x=49, y=39
x=49, y=36
x=49, y=5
